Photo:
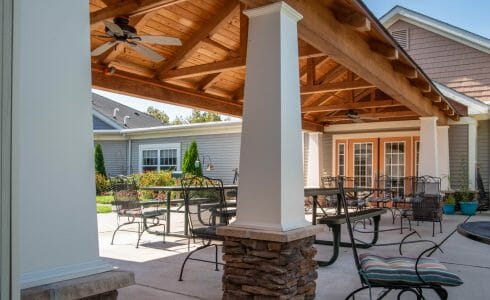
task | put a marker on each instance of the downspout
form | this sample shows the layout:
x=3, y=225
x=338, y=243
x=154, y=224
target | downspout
x=129, y=156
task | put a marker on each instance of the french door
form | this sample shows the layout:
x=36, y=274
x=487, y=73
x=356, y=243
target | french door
x=363, y=161
x=396, y=161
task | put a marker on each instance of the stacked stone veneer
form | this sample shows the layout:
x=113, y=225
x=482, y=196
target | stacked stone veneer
x=257, y=269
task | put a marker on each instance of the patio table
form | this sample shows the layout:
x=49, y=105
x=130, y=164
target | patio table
x=335, y=222
x=169, y=201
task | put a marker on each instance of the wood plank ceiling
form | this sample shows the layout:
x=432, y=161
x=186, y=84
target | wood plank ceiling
x=350, y=68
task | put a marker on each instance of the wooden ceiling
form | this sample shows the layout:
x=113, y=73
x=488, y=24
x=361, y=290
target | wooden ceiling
x=348, y=63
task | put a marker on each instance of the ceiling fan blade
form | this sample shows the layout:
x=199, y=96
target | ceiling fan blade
x=160, y=40
x=146, y=52
x=103, y=48
x=114, y=28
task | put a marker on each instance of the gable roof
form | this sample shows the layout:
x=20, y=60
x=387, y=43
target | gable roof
x=103, y=108
x=474, y=107
x=447, y=30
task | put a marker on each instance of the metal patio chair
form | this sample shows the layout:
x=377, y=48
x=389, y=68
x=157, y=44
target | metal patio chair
x=132, y=210
x=206, y=211
x=399, y=273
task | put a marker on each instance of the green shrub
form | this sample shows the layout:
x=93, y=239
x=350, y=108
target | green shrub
x=104, y=208
x=450, y=199
x=99, y=160
x=104, y=199
x=191, y=155
x=162, y=178
x=102, y=185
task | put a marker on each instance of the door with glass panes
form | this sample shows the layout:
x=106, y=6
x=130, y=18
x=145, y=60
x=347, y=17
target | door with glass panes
x=396, y=161
x=363, y=161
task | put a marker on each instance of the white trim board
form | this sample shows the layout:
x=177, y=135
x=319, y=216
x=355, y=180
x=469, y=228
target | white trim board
x=444, y=29
x=158, y=147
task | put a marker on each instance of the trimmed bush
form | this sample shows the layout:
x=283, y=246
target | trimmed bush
x=99, y=160
x=189, y=162
x=102, y=185
x=162, y=178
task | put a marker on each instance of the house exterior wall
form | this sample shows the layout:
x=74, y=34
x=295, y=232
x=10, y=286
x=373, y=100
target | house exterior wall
x=100, y=125
x=327, y=154
x=458, y=154
x=306, y=147
x=115, y=157
x=483, y=152
x=458, y=66
x=224, y=150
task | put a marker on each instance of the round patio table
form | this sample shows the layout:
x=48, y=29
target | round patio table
x=479, y=231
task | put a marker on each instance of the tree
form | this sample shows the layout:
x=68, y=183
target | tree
x=158, y=114
x=191, y=155
x=99, y=160
x=178, y=121
x=203, y=117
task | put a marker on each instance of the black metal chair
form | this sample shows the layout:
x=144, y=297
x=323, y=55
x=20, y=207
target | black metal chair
x=134, y=211
x=206, y=211
x=403, y=274
x=426, y=202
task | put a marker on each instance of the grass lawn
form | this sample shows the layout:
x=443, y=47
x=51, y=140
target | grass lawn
x=106, y=199
x=104, y=208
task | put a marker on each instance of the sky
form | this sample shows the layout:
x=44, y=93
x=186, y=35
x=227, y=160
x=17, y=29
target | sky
x=471, y=15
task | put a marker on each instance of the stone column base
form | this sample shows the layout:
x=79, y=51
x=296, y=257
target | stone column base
x=267, y=265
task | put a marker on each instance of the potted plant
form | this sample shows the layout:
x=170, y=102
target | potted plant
x=469, y=204
x=449, y=205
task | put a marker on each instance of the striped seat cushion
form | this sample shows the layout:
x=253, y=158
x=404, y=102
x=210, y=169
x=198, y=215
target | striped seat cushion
x=401, y=270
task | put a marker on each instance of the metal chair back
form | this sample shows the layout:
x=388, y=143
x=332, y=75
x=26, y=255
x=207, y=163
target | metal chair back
x=125, y=193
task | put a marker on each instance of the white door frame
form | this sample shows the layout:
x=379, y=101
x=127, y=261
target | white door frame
x=6, y=15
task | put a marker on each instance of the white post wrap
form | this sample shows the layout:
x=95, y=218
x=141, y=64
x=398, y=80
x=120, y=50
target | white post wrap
x=443, y=156
x=55, y=231
x=271, y=166
x=428, y=147
x=314, y=159
x=472, y=144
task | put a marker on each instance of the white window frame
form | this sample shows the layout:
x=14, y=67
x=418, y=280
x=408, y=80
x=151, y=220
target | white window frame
x=354, y=162
x=405, y=159
x=158, y=147
x=345, y=159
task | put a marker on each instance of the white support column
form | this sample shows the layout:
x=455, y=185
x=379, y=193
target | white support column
x=472, y=159
x=271, y=166
x=428, y=147
x=443, y=156
x=314, y=159
x=52, y=148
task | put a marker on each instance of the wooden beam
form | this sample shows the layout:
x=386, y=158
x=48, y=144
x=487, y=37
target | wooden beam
x=162, y=92
x=380, y=115
x=436, y=98
x=323, y=31
x=352, y=18
x=216, y=67
x=243, y=31
x=422, y=84
x=387, y=51
x=347, y=106
x=130, y=67
x=335, y=87
x=222, y=17
x=130, y=8
x=404, y=69
x=308, y=51
x=207, y=81
x=310, y=71
x=312, y=126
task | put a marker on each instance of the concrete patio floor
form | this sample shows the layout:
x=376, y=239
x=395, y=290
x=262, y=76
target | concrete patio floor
x=156, y=265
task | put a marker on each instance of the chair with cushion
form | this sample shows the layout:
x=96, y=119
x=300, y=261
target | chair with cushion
x=206, y=211
x=134, y=211
x=398, y=273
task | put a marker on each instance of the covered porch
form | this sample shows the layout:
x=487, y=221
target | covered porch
x=241, y=58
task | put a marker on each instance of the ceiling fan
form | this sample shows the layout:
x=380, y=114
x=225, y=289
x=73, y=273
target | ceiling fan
x=120, y=32
x=354, y=116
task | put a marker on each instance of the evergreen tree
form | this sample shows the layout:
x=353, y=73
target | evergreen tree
x=99, y=160
x=191, y=155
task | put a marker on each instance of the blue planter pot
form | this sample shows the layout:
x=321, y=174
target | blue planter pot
x=448, y=209
x=468, y=208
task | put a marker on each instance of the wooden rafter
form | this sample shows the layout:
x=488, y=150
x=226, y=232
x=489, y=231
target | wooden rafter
x=336, y=86
x=222, y=17
x=347, y=106
x=130, y=8
x=216, y=67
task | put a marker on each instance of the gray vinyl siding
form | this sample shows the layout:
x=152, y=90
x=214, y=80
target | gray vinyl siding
x=115, y=157
x=224, y=150
x=327, y=141
x=456, y=65
x=100, y=125
x=483, y=152
x=458, y=154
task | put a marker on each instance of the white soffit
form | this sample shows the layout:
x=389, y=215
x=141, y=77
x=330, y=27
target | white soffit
x=449, y=31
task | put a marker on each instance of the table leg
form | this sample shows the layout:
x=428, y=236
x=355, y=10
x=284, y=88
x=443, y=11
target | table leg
x=336, y=246
x=376, y=220
x=167, y=226
x=313, y=221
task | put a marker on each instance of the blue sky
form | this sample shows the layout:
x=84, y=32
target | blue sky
x=471, y=15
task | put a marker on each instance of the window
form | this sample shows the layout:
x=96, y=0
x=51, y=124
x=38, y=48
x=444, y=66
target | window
x=159, y=157
x=395, y=164
x=363, y=164
x=341, y=160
